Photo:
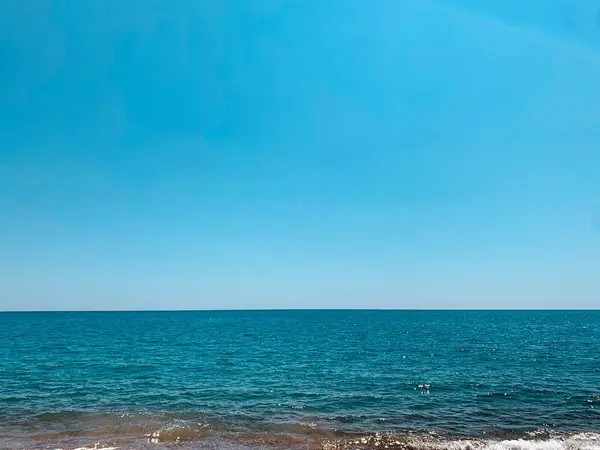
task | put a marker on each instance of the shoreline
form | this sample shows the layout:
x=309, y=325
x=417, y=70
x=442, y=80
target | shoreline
x=189, y=438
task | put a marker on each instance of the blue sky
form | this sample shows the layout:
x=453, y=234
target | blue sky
x=284, y=154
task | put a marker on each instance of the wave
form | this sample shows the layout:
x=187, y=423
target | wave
x=297, y=437
x=580, y=441
x=69, y=430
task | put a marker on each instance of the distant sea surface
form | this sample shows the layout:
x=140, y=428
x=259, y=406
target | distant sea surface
x=301, y=380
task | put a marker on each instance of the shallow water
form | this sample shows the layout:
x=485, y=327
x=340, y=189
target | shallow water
x=301, y=379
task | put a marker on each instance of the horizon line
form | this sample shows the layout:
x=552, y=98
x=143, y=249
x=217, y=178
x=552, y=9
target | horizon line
x=288, y=310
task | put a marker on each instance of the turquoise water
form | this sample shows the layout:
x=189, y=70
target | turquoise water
x=299, y=378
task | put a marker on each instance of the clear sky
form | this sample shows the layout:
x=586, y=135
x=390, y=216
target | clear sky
x=282, y=154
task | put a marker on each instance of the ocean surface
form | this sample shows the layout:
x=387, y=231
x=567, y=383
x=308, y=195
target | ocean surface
x=301, y=380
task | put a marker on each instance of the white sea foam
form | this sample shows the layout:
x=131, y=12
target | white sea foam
x=95, y=447
x=583, y=441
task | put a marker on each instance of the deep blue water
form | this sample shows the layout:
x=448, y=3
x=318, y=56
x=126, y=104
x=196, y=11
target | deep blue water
x=489, y=372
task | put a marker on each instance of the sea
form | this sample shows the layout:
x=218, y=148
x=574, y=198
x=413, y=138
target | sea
x=330, y=380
